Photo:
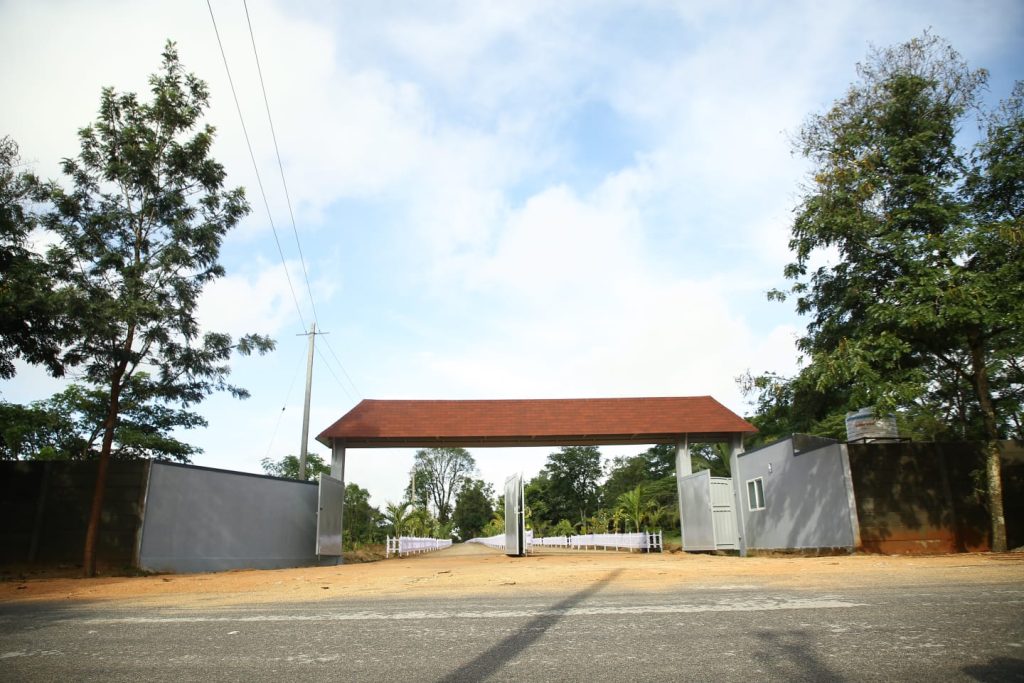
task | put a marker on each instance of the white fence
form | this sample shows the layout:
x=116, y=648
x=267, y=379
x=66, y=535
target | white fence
x=409, y=545
x=498, y=542
x=553, y=541
x=637, y=541
x=649, y=541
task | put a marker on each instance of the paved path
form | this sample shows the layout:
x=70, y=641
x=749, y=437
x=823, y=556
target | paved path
x=466, y=549
x=959, y=633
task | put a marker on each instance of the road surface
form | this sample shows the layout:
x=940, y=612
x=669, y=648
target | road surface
x=973, y=631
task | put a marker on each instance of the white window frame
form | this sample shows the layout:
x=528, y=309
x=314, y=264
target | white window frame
x=755, y=494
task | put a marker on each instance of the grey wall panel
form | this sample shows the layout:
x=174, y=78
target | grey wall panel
x=805, y=498
x=198, y=519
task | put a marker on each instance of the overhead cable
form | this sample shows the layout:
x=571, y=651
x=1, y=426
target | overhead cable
x=255, y=166
x=280, y=165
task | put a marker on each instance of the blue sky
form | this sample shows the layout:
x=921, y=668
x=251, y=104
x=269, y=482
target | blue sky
x=495, y=200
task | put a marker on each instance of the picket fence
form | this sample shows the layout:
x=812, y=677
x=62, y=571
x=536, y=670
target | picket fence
x=649, y=541
x=409, y=545
x=498, y=541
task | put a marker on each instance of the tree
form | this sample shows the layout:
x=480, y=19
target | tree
x=473, y=508
x=441, y=473
x=139, y=237
x=922, y=301
x=33, y=310
x=397, y=515
x=634, y=505
x=288, y=468
x=362, y=520
x=67, y=426
x=573, y=472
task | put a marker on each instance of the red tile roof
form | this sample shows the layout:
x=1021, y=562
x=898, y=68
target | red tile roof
x=540, y=422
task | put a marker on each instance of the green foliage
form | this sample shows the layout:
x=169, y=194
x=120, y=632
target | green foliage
x=396, y=515
x=919, y=309
x=440, y=474
x=497, y=524
x=563, y=528
x=33, y=307
x=68, y=425
x=288, y=468
x=571, y=487
x=138, y=236
x=361, y=520
x=473, y=509
x=634, y=505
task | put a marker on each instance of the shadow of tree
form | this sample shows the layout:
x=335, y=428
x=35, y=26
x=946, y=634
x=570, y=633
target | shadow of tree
x=787, y=656
x=489, y=661
x=996, y=670
x=922, y=496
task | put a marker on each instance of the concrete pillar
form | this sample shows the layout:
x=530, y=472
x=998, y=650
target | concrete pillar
x=338, y=472
x=735, y=449
x=683, y=468
x=337, y=461
x=683, y=464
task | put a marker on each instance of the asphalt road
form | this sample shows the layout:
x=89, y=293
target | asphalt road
x=936, y=634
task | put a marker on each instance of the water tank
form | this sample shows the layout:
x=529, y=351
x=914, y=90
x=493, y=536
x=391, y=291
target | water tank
x=862, y=425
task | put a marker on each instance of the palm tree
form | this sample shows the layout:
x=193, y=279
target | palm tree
x=633, y=505
x=397, y=515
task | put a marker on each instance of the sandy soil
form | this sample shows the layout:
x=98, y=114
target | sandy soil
x=476, y=570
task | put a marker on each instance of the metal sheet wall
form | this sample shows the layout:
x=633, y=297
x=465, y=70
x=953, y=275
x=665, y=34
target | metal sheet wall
x=199, y=519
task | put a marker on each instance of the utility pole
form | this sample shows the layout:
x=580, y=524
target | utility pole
x=305, y=408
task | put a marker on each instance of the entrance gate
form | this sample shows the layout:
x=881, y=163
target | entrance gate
x=706, y=512
x=515, y=517
x=330, y=503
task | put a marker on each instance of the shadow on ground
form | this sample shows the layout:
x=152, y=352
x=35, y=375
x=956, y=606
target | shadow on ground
x=489, y=661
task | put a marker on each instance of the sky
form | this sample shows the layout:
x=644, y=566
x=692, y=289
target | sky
x=493, y=200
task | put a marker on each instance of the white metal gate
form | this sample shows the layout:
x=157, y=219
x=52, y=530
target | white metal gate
x=706, y=512
x=723, y=514
x=515, y=517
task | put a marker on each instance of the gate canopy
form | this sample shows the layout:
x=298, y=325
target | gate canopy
x=534, y=422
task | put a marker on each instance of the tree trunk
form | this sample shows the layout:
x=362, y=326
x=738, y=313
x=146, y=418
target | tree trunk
x=95, y=513
x=993, y=471
x=92, y=532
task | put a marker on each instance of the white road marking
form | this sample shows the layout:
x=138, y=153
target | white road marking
x=755, y=605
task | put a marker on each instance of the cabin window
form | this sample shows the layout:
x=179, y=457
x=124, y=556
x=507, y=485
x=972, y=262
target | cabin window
x=755, y=494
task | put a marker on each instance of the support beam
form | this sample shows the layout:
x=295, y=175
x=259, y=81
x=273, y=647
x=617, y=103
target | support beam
x=735, y=449
x=684, y=467
x=337, y=461
x=338, y=472
x=683, y=464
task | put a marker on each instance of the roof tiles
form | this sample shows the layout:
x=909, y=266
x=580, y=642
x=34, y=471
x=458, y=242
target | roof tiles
x=597, y=421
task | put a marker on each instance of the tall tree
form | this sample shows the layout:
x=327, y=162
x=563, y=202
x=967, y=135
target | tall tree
x=926, y=280
x=574, y=473
x=473, y=509
x=140, y=231
x=33, y=311
x=361, y=518
x=441, y=474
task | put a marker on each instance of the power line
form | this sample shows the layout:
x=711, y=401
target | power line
x=284, y=183
x=280, y=166
x=255, y=166
x=343, y=370
x=330, y=370
x=280, y=414
x=287, y=194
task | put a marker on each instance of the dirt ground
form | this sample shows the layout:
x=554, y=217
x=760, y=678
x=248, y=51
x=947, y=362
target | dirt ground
x=476, y=570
